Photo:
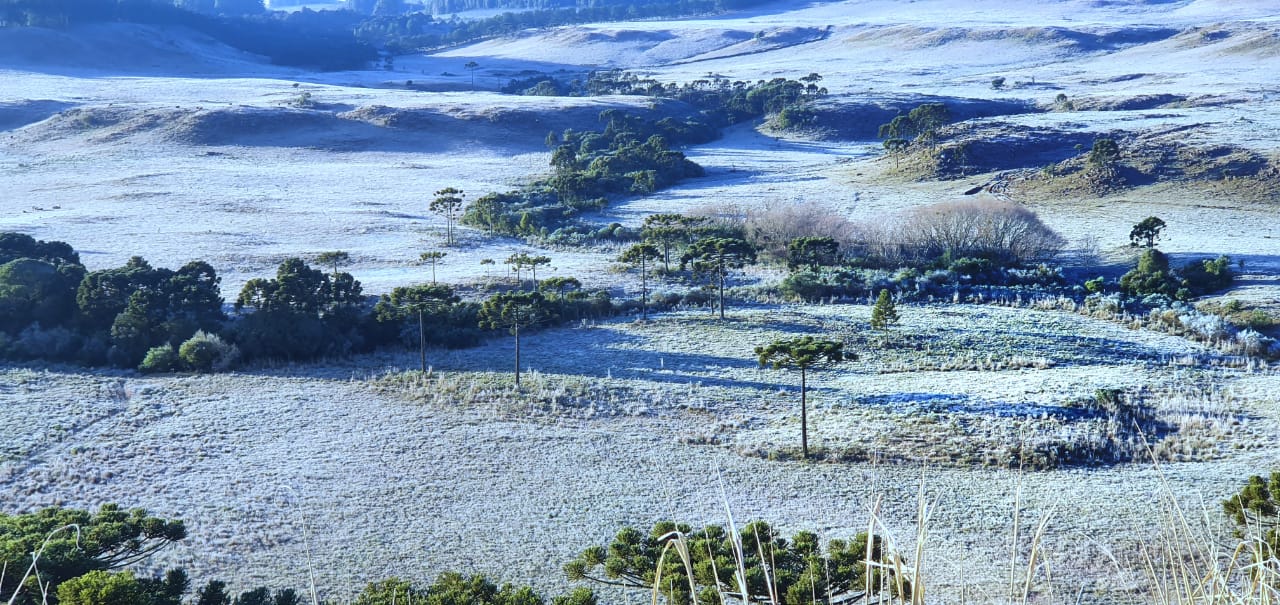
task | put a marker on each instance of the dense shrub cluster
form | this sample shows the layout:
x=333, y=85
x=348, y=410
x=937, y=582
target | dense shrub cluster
x=720, y=101
x=1154, y=277
x=81, y=556
x=630, y=157
x=54, y=309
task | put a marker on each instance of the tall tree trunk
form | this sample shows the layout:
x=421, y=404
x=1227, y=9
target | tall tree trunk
x=517, y=332
x=644, y=290
x=804, y=417
x=721, y=272
x=422, y=343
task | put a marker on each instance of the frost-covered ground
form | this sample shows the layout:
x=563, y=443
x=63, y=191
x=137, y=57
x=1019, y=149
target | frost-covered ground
x=388, y=484
x=133, y=141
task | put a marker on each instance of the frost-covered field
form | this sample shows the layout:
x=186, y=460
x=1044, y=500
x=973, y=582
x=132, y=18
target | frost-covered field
x=133, y=141
x=389, y=483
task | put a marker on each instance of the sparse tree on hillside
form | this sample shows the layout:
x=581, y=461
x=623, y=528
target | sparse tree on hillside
x=801, y=353
x=523, y=261
x=928, y=118
x=416, y=300
x=669, y=231
x=433, y=257
x=448, y=203
x=716, y=256
x=515, y=311
x=896, y=147
x=640, y=256
x=333, y=258
x=920, y=124
x=1146, y=233
x=472, y=66
x=1103, y=155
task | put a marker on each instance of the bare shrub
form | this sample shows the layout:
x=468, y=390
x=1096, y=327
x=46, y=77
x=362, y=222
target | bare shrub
x=771, y=229
x=985, y=228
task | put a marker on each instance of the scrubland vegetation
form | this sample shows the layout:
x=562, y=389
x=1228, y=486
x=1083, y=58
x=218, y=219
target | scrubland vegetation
x=808, y=350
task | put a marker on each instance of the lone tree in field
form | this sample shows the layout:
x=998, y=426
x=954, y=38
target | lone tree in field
x=1103, y=155
x=433, y=257
x=801, y=353
x=715, y=256
x=333, y=258
x=514, y=311
x=472, y=66
x=419, y=300
x=448, y=203
x=1255, y=511
x=884, y=313
x=1146, y=233
x=896, y=147
x=639, y=256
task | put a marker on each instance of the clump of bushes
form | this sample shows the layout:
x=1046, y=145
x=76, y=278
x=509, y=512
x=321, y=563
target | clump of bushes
x=1154, y=276
x=630, y=157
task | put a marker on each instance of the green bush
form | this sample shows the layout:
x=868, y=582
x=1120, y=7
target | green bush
x=807, y=286
x=160, y=359
x=1152, y=275
x=1207, y=275
x=1095, y=285
x=1255, y=512
x=205, y=352
x=100, y=588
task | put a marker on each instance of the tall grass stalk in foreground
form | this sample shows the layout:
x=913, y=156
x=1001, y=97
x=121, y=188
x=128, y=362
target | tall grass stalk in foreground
x=306, y=544
x=1187, y=566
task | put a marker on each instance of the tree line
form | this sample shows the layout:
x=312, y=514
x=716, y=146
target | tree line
x=630, y=155
x=159, y=319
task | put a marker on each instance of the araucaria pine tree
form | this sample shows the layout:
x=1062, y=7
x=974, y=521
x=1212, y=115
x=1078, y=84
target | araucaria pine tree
x=884, y=313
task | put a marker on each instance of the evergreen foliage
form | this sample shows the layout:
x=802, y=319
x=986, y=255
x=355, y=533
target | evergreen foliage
x=802, y=354
x=1255, y=512
x=641, y=256
x=1153, y=275
x=790, y=572
x=920, y=125
x=812, y=252
x=448, y=203
x=884, y=313
x=715, y=257
x=75, y=542
x=335, y=258
x=1146, y=232
x=513, y=311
